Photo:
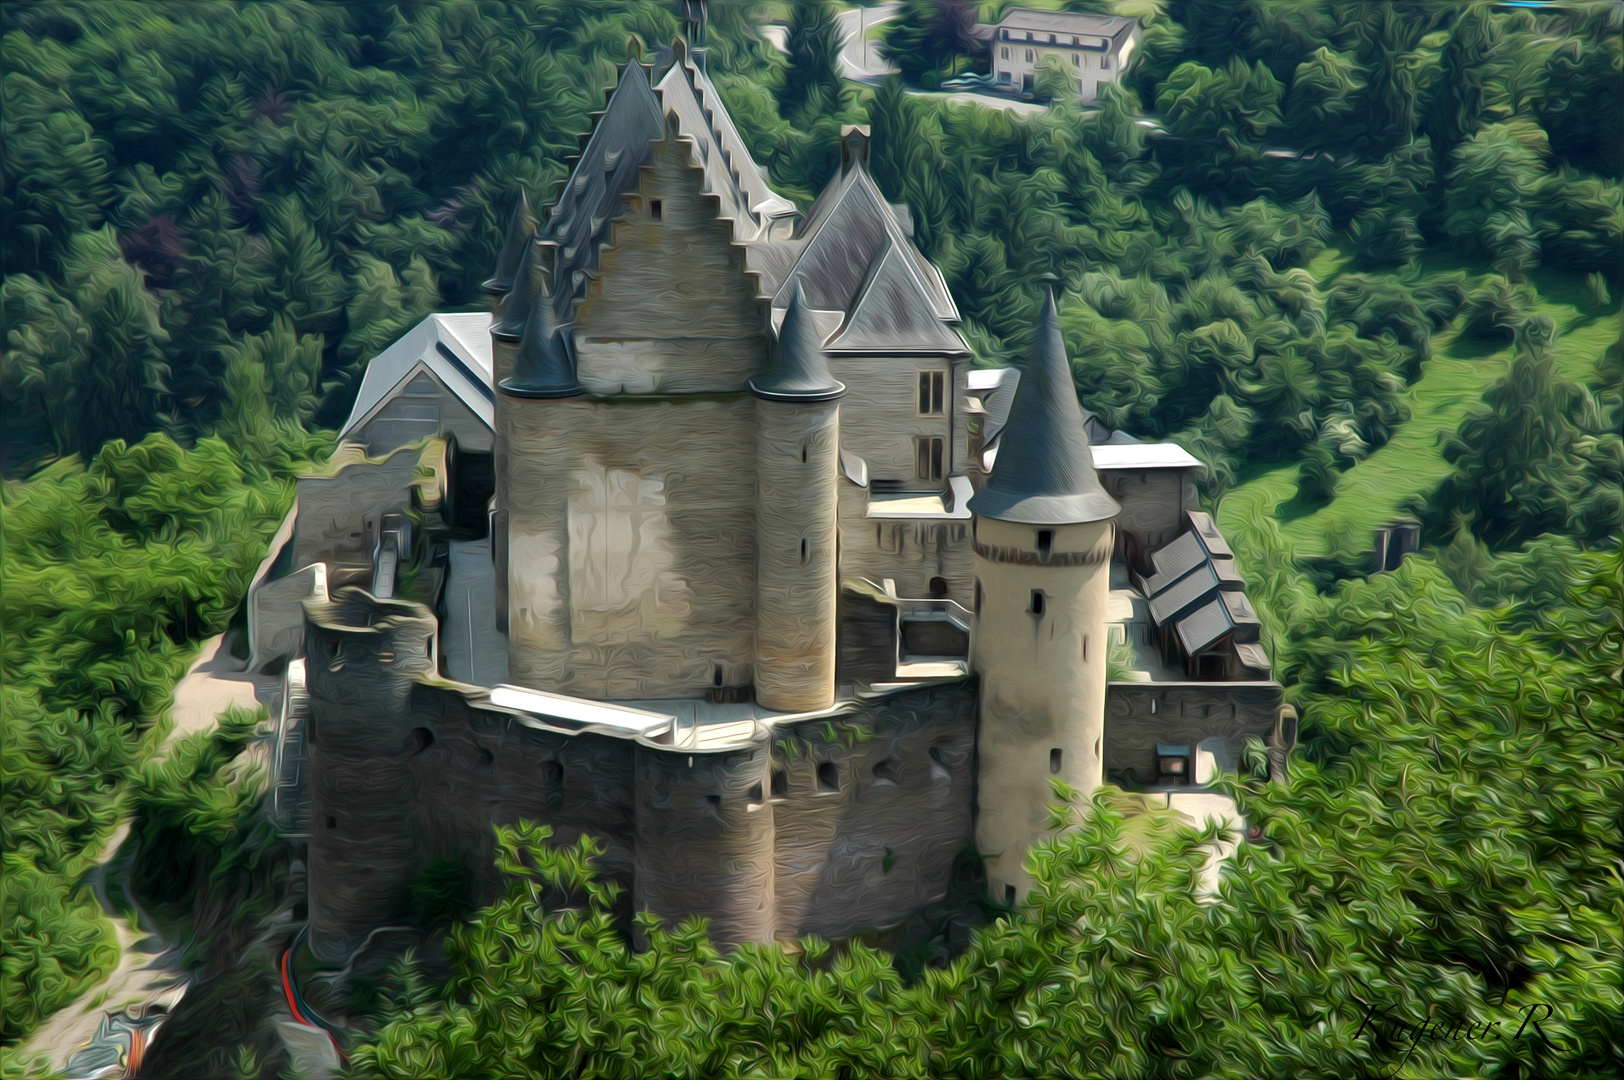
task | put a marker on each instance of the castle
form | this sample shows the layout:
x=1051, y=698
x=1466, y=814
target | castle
x=709, y=541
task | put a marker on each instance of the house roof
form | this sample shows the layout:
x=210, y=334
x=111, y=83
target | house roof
x=845, y=232
x=1204, y=626
x=1045, y=474
x=456, y=347
x=1110, y=27
x=1178, y=599
x=1173, y=562
x=892, y=312
x=1207, y=532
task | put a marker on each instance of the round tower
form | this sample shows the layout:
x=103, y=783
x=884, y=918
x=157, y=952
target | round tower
x=1043, y=538
x=797, y=467
x=705, y=840
x=363, y=657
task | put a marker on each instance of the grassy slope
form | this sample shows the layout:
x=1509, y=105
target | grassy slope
x=1412, y=463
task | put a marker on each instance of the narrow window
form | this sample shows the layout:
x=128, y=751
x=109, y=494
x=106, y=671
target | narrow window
x=654, y=209
x=755, y=795
x=715, y=801
x=1009, y=896
x=1003, y=53
x=888, y=770
x=1054, y=761
x=486, y=757
x=718, y=675
x=1074, y=60
x=1051, y=39
x=1037, y=602
x=828, y=777
x=803, y=453
x=1105, y=63
x=1085, y=648
x=932, y=392
x=552, y=774
x=422, y=739
x=938, y=765
x=803, y=552
x=978, y=597
x=1096, y=748
x=938, y=588
x=1045, y=542
x=780, y=783
x=928, y=453
x=1028, y=56
x=332, y=822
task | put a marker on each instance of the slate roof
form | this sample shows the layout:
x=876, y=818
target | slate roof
x=1184, y=595
x=892, y=312
x=1173, y=562
x=797, y=369
x=455, y=347
x=1204, y=626
x=1063, y=22
x=1045, y=474
x=543, y=367
x=608, y=168
x=1207, y=530
x=521, y=230
x=845, y=232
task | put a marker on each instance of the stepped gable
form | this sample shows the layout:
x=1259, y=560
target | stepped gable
x=607, y=169
x=1045, y=471
x=892, y=313
x=730, y=172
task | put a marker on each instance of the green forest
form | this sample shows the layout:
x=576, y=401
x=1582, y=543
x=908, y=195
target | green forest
x=1360, y=259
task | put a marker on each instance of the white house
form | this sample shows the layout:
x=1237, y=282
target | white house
x=1094, y=48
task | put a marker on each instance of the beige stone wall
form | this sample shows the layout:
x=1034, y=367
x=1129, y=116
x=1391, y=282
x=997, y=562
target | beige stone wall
x=880, y=414
x=1042, y=682
x=1153, y=503
x=341, y=512
x=631, y=544
x=909, y=551
x=797, y=468
x=1140, y=715
x=670, y=309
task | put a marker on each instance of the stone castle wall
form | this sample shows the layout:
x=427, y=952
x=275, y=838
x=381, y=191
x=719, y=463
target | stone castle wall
x=841, y=822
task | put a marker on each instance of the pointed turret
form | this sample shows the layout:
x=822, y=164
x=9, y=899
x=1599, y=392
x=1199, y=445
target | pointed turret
x=526, y=285
x=521, y=227
x=797, y=369
x=1045, y=471
x=543, y=368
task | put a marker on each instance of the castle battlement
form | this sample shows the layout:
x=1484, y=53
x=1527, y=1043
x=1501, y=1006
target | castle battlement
x=708, y=542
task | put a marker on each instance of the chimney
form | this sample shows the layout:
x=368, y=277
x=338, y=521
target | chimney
x=853, y=147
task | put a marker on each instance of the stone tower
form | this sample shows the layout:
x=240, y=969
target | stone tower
x=1043, y=530
x=797, y=466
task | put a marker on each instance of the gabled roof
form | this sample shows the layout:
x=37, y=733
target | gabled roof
x=1045, y=473
x=892, y=313
x=1204, y=626
x=844, y=233
x=1184, y=595
x=455, y=347
x=1066, y=22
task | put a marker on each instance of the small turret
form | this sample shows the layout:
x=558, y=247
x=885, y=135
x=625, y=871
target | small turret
x=1043, y=538
x=543, y=368
x=797, y=369
x=1045, y=473
x=797, y=451
x=521, y=301
x=521, y=227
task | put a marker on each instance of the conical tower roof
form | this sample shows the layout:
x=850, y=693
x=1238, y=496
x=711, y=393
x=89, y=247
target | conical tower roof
x=797, y=370
x=522, y=300
x=543, y=368
x=521, y=227
x=1045, y=471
